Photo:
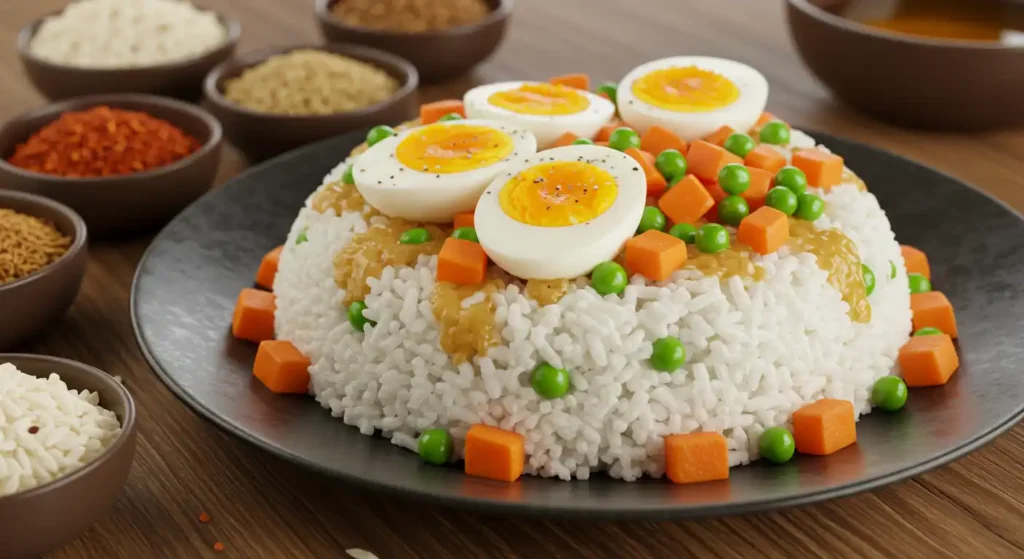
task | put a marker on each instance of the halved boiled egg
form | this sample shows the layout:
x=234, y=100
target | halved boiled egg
x=545, y=109
x=559, y=213
x=692, y=95
x=430, y=173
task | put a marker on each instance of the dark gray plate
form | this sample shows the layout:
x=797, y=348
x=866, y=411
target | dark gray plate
x=187, y=283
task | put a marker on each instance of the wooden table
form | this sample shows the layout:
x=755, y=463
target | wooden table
x=261, y=506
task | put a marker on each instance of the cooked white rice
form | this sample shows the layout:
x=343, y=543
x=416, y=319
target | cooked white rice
x=47, y=430
x=757, y=351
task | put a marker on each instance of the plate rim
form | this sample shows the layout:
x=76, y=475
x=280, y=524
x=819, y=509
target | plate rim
x=654, y=511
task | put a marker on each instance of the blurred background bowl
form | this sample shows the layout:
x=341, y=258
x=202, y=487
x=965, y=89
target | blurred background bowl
x=437, y=55
x=47, y=517
x=183, y=80
x=33, y=302
x=121, y=204
x=263, y=135
x=939, y=84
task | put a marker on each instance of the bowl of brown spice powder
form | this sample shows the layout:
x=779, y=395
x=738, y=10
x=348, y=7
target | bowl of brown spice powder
x=442, y=38
x=125, y=162
x=42, y=261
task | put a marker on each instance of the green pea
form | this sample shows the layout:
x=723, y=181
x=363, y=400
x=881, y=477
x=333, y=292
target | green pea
x=347, y=177
x=435, y=446
x=712, y=238
x=356, y=318
x=671, y=164
x=918, y=283
x=609, y=89
x=739, y=144
x=378, y=133
x=782, y=199
x=892, y=270
x=809, y=207
x=301, y=238
x=550, y=382
x=889, y=393
x=775, y=132
x=466, y=234
x=684, y=232
x=624, y=138
x=652, y=219
x=668, y=355
x=792, y=178
x=869, y=278
x=583, y=142
x=777, y=445
x=732, y=210
x=450, y=117
x=929, y=331
x=416, y=236
x=609, y=278
x=734, y=178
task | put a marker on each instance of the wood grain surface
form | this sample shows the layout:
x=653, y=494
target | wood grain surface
x=261, y=506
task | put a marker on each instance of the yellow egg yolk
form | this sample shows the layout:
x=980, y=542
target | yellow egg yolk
x=541, y=99
x=453, y=148
x=685, y=89
x=558, y=194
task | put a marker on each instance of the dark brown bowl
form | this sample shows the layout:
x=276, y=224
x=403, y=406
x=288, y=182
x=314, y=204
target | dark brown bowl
x=45, y=518
x=33, y=302
x=907, y=80
x=121, y=204
x=263, y=135
x=438, y=55
x=183, y=79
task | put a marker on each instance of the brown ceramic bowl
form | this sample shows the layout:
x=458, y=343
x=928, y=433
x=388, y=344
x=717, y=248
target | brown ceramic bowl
x=33, y=302
x=182, y=79
x=437, y=55
x=263, y=135
x=907, y=80
x=43, y=519
x=121, y=204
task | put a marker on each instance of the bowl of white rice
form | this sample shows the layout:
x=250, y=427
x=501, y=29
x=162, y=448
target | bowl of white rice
x=162, y=47
x=67, y=441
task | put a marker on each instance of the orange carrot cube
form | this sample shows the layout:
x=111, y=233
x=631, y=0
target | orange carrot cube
x=566, y=139
x=658, y=139
x=760, y=182
x=933, y=309
x=464, y=219
x=578, y=81
x=765, y=118
x=254, y=315
x=916, y=261
x=432, y=112
x=281, y=367
x=461, y=262
x=268, y=268
x=655, y=255
x=494, y=453
x=824, y=427
x=606, y=131
x=656, y=183
x=823, y=169
x=687, y=201
x=765, y=157
x=718, y=136
x=928, y=360
x=765, y=230
x=706, y=160
x=696, y=457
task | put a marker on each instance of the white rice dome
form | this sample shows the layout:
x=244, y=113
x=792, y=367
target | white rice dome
x=73, y=429
x=756, y=351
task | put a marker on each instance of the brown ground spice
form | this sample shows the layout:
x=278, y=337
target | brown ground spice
x=27, y=244
x=412, y=16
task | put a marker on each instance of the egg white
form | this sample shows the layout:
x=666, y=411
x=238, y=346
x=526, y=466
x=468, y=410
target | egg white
x=397, y=190
x=740, y=115
x=543, y=253
x=546, y=128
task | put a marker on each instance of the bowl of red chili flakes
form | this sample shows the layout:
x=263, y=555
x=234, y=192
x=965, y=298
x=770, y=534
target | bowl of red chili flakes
x=127, y=163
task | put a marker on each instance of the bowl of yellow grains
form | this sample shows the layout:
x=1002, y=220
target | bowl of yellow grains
x=275, y=100
x=42, y=261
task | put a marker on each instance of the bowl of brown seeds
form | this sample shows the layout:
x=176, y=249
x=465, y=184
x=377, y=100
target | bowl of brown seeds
x=42, y=261
x=275, y=100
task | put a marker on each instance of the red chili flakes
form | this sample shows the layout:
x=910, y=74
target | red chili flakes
x=218, y=546
x=204, y=518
